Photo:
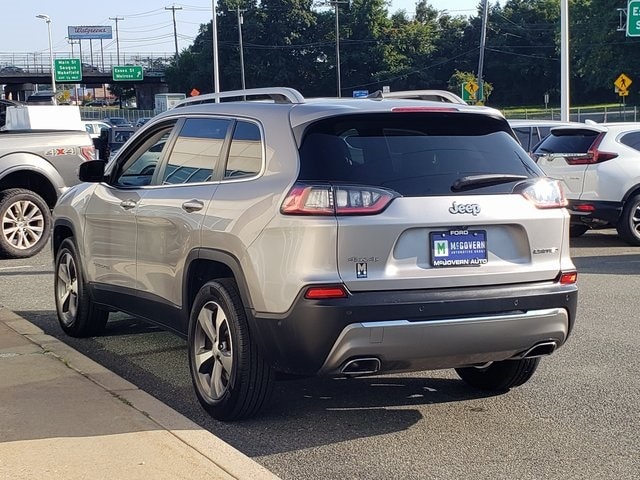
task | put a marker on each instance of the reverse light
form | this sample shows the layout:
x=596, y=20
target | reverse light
x=568, y=278
x=325, y=199
x=545, y=193
x=325, y=292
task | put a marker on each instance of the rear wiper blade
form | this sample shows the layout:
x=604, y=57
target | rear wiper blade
x=478, y=181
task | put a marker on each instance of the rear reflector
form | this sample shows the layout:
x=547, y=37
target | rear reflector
x=318, y=293
x=585, y=207
x=568, y=278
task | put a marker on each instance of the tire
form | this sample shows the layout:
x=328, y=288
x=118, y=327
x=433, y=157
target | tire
x=78, y=315
x=231, y=378
x=25, y=223
x=500, y=376
x=629, y=224
x=577, y=230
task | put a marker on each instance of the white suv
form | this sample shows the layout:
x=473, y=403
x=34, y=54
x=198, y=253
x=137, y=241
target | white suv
x=599, y=165
x=322, y=237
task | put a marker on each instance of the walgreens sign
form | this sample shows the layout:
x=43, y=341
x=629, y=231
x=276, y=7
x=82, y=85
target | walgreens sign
x=90, y=33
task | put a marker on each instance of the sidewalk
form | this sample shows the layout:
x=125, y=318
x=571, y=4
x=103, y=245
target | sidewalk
x=65, y=417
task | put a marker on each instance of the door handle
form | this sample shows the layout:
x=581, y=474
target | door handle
x=128, y=204
x=192, y=206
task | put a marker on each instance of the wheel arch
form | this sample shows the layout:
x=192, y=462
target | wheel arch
x=33, y=181
x=62, y=229
x=632, y=192
x=204, y=265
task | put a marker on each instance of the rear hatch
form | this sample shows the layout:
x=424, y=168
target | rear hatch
x=431, y=200
x=567, y=153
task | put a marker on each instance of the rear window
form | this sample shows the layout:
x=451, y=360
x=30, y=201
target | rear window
x=566, y=141
x=414, y=154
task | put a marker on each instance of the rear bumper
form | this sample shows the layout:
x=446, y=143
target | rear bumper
x=411, y=330
x=601, y=212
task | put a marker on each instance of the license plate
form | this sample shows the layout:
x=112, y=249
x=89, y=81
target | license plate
x=458, y=248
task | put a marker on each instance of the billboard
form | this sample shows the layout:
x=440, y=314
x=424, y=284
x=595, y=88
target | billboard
x=90, y=33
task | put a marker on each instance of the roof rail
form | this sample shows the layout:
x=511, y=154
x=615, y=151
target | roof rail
x=433, y=95
x=277, y=94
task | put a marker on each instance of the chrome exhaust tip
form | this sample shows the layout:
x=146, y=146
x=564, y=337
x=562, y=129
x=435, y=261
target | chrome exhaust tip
x=540, y=350
x=361, y=366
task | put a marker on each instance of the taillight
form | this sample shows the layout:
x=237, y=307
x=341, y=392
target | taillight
x=568, y=278
x=325, y=199
x=593, y=155
x=88, y=153
x=545, y=193
x=325, y=292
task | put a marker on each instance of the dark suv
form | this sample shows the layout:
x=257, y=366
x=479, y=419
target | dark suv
x=335, y=237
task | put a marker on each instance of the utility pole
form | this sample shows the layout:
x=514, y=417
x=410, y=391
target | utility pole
x=173, y=9
x=335, y=4
x=564, y=60
x=483, y=42
x=240, y=20
x=117, y=19
x=214, y=32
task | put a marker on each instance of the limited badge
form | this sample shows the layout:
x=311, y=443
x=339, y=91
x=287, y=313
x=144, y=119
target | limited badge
x=361, y=270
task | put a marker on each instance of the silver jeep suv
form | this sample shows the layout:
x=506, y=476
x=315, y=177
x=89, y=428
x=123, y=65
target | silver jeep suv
x=337, y=237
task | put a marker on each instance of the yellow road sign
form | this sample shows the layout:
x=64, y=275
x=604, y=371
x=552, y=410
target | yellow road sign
x=623, y=93
x=472, y=88
x=623, y=82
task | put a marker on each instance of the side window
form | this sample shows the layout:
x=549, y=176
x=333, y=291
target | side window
x=631, y=140
x=139, y=169
x=245, y=153
x=523, y=134
x=196, y=151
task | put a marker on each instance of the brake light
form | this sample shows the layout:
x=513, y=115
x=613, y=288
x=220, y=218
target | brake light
x=88, y=153
x=423, y=109
x=545, y=193
x=584, y=207
x=325, y=199
x=568, y=278
x=592, y=156
x=325, y=292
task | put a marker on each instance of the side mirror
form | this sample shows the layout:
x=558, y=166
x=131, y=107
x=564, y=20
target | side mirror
x=92, y=171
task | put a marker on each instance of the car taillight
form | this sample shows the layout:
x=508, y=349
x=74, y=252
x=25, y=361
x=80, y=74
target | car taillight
x=545, y=193
x=88, y=153
x=325, y=199
x=593, y=155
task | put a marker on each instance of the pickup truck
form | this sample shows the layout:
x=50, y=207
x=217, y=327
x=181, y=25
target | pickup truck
x=36, y=166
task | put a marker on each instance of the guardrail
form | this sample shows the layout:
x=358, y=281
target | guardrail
x=579, y=114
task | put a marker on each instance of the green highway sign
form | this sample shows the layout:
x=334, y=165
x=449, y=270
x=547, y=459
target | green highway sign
x=67, y=70
x=127, y=73
x=633, y=18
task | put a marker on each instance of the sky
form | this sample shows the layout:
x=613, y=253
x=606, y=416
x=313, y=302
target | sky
x=146, y=25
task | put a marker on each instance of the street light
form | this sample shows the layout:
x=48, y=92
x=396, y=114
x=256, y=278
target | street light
x=47, y=19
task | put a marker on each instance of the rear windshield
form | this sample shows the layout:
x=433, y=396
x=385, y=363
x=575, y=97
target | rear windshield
x=566, y=141
x=414, y=154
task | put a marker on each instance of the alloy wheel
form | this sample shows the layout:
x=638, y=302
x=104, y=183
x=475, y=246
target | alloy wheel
x=67, y=288
x=23, y=224
x=213, y=351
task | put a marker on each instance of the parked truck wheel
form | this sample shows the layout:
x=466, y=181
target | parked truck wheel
x=26, y=223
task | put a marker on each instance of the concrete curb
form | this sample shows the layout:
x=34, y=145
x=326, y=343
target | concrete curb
x=230, y=460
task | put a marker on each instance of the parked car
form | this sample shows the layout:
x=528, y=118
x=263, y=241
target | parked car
x=600, y=167
x=339, y=237
x=95, y=127
x=118, y=122
x=10, y=70
x=141, y=121
x=530, y=132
